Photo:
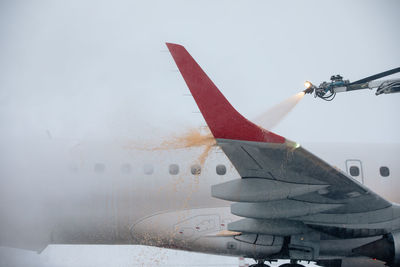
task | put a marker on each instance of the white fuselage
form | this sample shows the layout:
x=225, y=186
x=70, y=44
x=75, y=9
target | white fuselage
x=68, y=192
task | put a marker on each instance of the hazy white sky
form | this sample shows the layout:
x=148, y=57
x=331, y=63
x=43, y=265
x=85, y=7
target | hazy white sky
x=100, y=69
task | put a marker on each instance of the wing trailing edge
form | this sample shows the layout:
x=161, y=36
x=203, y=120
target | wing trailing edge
x=221, y=117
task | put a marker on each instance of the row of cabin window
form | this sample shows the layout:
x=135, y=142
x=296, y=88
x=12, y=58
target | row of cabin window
x=195, y=169
x=220, y=169
x=173, y=169
x=355, y=171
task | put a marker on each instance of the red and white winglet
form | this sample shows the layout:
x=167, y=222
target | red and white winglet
x=222, y=119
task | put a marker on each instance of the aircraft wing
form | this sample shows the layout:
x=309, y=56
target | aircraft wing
x=283, y=189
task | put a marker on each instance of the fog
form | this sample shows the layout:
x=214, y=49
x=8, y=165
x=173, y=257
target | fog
x=99, y=71
x=83, y=69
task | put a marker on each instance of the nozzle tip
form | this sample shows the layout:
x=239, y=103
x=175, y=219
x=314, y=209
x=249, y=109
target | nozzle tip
x=309, y=90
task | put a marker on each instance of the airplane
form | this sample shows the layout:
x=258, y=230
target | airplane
x=239, y=190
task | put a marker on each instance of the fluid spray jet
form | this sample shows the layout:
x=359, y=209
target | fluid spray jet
x=270, y=118
x=327, y=90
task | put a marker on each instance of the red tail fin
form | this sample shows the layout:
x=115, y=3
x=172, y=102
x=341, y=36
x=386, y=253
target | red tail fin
x=222, y=119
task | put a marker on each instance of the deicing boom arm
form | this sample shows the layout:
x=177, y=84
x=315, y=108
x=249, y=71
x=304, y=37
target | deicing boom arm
x=328, y=90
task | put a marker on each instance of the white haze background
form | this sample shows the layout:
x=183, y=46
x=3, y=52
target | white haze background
x=100, y=70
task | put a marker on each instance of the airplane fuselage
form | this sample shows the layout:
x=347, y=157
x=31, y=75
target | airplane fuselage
x=69, y=192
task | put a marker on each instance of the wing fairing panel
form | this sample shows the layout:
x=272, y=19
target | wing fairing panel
x=279, y=209
x=260, y=190
x=280, y=227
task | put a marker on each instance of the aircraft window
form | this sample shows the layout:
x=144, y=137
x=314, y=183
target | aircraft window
x=99, y=167
x=195, y=169
x=384, y=171
x=126, y=168
x=354, y=171
x=148, y=169
x=173, y=169
x=220, y=169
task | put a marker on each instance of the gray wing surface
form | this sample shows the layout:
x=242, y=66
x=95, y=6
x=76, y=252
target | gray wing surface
x=285, y=186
